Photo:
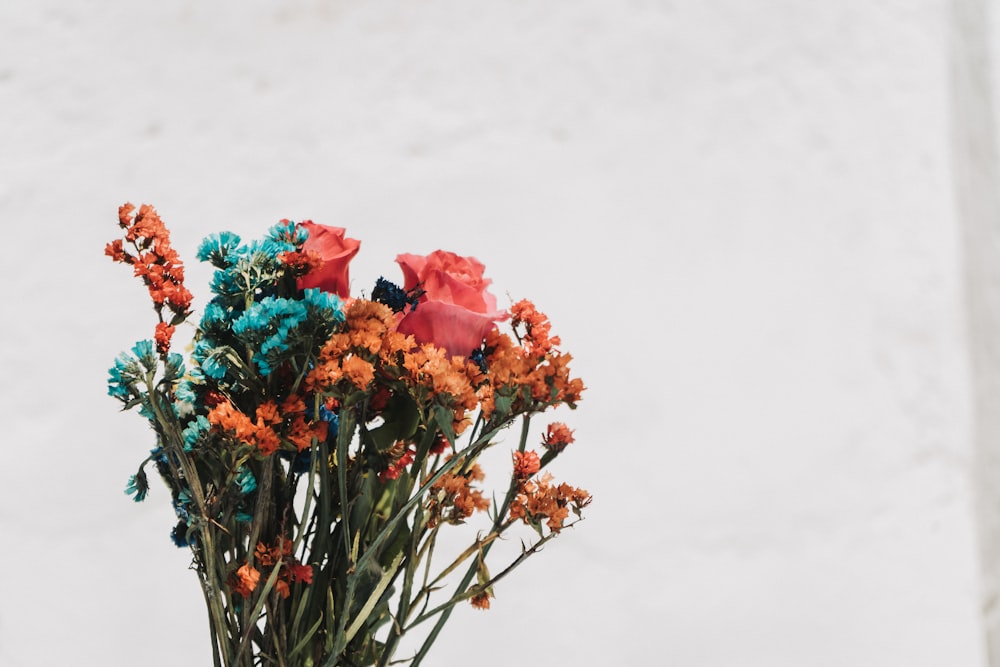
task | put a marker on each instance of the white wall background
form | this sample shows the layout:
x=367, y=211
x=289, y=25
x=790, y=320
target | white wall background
x=741, y=216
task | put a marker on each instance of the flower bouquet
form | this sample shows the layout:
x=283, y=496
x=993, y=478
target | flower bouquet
x=315, y=445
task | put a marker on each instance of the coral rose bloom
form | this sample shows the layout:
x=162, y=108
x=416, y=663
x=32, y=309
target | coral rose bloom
x=336, y=251
x=456, y=312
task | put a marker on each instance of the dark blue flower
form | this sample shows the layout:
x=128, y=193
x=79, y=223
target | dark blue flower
x=179, y=534
x=478, y=357
x=394, y=296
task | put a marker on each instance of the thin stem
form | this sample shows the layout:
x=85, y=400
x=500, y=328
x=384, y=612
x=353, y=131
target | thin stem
x=471, y=572
x=469, y=452
x=172, y=439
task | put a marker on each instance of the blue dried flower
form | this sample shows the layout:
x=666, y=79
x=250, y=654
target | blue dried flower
x=179, y=535
x=138, y=486
x=123, y=377
x=246, y=481
x=212, y=368
x=218, y=249
x=287, y=231
x=390, y=294
x=145, y=352
x=194, y=431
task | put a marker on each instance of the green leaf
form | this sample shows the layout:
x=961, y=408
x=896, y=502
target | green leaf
x=373, y=599
x=445, y=418
x=402, y=417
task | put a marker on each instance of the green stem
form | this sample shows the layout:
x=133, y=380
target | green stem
x=471, y=572
x=470, y=452
x=172, y=440
x=475, y=590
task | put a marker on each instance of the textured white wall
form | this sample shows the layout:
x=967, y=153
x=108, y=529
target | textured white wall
x=976, y=176
x=740, y=216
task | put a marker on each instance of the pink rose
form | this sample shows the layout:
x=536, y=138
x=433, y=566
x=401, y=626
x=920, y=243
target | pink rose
x=336, y=251
x=456, y=312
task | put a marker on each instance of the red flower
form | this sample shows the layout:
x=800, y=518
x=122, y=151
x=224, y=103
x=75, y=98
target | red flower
x=336, y=251
x=303, y=573
x=164, y=332
x=455, y=312
x=157, y=263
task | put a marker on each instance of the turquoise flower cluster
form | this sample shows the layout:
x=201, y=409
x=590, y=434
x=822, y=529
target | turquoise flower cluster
x=257, y=322
x=257, y=308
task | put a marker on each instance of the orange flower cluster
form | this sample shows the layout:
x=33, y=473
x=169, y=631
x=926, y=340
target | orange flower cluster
x=291, y=569
x=403, y=456
x=481, y=600
x=452, y=498
x=370, y=350
x=526, y=464
x=348, y=360
x=434, y=377
x=270, y=426
x=301, y=262
x=245, y=579
x=537, y=326
x=157, y=263
x=557, y=436
x=533, y=375
x=542, y=500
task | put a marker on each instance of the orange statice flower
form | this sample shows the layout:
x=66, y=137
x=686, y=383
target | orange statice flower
x=297, y=429
x=157, y=263
x=164, y=332
x=481, y=600
x=271, y=426
x=526, y=464
x=452, y=498
x=301, y=262
x=227, y=418
x=541, y=500
x=290, y=569
x=401, y=456
x=536, y=325
x=244, y=580
x=303, y=573
x=268, y=414
x=348, y=360
x=268, y=556
x=359, y=372
x=528, y=376
x=557, y=436
x=434, y=378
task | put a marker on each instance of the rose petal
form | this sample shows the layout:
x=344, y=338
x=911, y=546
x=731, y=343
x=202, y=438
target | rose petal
x=457, y=330
x=336, y=251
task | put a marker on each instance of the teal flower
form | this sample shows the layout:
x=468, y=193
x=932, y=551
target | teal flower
x=124, y=378
x=212, y=368
x=246, y=481
x=220, y=249
x=287, y=231
x=138, y=486
x=194, y=431
x=145, y=352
